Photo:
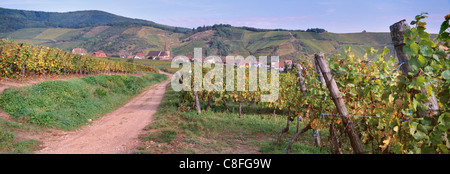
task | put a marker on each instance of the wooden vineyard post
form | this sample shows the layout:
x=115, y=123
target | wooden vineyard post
x=46, y=56
x=397, y=30
x=322, y=83
x=335, y=144
x=197, y=103
x=397, y=39
x=339, y=102
x=240, y=108
x=300, y=79
x=16, y=57
x=23, y=67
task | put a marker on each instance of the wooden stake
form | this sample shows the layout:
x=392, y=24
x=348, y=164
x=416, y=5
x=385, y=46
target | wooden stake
x=197, y=102
x=339, y=102
x=397, y=30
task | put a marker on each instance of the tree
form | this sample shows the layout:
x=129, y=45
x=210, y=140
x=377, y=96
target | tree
x=316, y=30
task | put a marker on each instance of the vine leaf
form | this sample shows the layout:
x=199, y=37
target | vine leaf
x=446, y=74
x=385, y=143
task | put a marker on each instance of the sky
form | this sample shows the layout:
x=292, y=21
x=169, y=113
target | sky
x=338, y=16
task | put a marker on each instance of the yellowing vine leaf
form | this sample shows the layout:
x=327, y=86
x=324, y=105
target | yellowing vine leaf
x=385, y=143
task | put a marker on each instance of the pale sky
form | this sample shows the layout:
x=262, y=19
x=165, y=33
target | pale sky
x=343, y=16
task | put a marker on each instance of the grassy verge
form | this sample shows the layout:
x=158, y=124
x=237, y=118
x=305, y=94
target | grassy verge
x=69, y=104
x=219, y=131
x=64, y=105
x=9, y=143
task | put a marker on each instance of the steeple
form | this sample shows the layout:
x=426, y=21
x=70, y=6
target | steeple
x=166, y=52
x=166, y=48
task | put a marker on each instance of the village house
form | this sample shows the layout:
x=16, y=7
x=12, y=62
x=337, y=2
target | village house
x=288, y=64
x=80, y=51
x=99, y=54
x=139, y=56
x=278, y=66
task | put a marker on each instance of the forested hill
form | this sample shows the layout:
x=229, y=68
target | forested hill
x=17, y=19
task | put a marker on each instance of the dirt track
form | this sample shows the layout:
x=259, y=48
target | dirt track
x=115, y=133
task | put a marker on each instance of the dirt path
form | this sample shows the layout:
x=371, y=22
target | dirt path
x=115, y=133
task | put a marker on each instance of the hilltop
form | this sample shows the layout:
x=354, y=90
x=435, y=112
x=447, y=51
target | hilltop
x=97, y=30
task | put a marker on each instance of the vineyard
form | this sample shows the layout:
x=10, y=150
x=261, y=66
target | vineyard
x=374, y=103
x=19, y=60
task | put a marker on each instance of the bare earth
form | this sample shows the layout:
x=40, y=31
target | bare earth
x=115, y=133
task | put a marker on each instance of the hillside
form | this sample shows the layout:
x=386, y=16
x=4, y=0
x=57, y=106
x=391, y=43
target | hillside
x=17, y=19
x=97, y=30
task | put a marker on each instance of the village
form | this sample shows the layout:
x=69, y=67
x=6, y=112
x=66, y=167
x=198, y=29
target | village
x=165, y=56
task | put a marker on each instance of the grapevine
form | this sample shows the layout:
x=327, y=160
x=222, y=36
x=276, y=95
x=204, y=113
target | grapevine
x=385, y=105
x=20, y=59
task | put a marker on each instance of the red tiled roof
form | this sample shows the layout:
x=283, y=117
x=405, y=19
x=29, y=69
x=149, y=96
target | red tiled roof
x=140, y=55
x=99, y=54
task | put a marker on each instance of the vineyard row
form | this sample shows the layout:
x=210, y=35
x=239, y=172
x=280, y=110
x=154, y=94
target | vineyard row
x=404, y=103
x=18, y=60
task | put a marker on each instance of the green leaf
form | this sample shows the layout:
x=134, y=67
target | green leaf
x=333, y=66
x=426, y=51
x=424, y=35
x=427, y=43
x=414, y=47
x=444, y=26
x=444, y=148
x=436, y=57
x=414, y=105
x=414, y=63
x=413, y=128
x=428, y=70
x=422, y=61
x=419, y=106
x=419, y=135
x=427, y=121
x=446, y=74
x=385, y=51
x=421, y=128
x=444, y=122
x=422, y=107
x=408, y=50
x=421, y=97
x=421, y=79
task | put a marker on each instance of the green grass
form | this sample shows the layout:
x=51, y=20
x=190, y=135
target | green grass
x=69, y=104
x=219, y=131
x=10, y=144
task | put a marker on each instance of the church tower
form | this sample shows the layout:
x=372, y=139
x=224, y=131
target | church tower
x=166, y=50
